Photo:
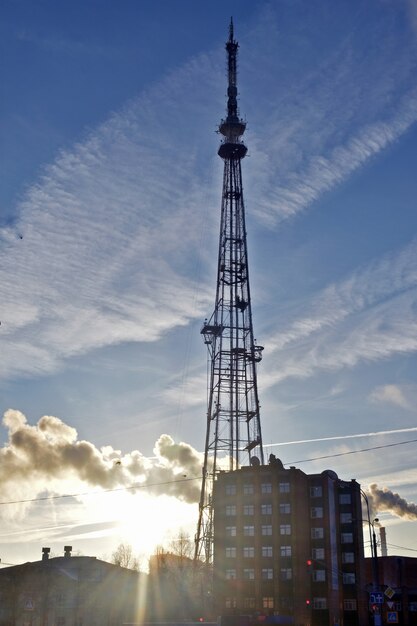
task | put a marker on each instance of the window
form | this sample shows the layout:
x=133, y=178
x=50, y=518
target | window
x=248, y=489
x=268, y=602
x=249, y=573
x=346, y=538
x=316, y=512
x=348, y=557
x=231, y=553
x=319, y=603
x=230, y=510
x=285, y=508
x=316, y=492
x=319, y=575
x=344, y=498
x=317, y=533
x=346, y=518
x=230, y=602
x=248, y=552
x=267, y=551
x=285, y=551
x=248, y=509
x=285, y=529
x=286, y=573
x=267, y=573
x=230, y=489
x=249, y=603
x=230, y=531
x=318, y=554
x=284, y=487
x=266, y=488
x=412, y=606
x=266, y=529
x=266, y=509
x=230, y=574
x=249, y=531
x=349, y=604
x=348, y=578
x=286, y=604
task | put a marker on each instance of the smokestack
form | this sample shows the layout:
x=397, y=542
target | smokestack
x=67, y=551
x=45, y=553
x=383, y=538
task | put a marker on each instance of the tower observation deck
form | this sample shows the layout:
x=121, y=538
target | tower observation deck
x=233, y=435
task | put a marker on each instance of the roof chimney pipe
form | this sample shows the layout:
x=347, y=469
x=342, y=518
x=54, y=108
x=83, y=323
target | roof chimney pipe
x=45, y=553
x=67, y=551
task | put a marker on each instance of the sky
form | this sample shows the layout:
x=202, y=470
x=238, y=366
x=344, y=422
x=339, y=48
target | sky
x=109, y=215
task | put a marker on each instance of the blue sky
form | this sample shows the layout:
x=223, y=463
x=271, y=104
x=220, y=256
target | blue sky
x=109, y=210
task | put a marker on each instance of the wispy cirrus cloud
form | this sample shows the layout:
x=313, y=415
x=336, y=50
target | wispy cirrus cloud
x=102, y=248
x=329, y=116
x=369, y=316
x=112, y=231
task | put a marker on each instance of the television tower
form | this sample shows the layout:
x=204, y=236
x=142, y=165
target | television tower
x=233, y=436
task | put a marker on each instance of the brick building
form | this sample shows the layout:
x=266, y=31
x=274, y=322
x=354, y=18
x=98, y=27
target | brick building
x=397, y=583
x=289, y=546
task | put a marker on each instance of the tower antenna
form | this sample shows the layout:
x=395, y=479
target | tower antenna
x=233, y=435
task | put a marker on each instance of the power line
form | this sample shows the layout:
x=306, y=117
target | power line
x=392, y=545
x=92, y=493
x=330, y=456
x=183, y=480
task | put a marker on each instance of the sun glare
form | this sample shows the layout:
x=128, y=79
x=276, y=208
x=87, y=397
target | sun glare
x=146, y=522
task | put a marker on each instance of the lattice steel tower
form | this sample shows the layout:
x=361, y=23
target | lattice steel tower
x=233, y=435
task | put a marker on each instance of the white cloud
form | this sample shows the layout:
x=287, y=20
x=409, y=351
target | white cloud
x=391, y=394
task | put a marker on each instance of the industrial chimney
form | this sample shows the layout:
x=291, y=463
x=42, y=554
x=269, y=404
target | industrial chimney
x=383, y=539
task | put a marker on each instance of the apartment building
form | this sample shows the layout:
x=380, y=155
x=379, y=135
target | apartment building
x=288, y=546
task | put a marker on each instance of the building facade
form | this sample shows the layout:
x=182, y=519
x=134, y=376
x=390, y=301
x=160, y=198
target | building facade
x=70, y=591
x=288, y=546
x=396, y=589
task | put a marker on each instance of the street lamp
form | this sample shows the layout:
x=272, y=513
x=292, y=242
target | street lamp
x=375, y=558
x=372, y=539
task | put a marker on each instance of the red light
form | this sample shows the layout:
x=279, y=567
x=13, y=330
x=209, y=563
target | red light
x=309, y=562
x=308, y=602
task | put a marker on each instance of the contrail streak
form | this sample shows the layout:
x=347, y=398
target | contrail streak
x=380, y=432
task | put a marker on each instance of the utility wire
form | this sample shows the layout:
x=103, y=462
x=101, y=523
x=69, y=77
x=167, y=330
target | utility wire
x=330, y=456
x=184, y=480
x=92, y=493
x=392, y=545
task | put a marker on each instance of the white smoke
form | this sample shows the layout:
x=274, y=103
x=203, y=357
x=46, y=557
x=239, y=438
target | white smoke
x=47, y=457
x=386, y=500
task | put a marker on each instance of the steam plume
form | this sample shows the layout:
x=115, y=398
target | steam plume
x=49, y=457
x=386, y=500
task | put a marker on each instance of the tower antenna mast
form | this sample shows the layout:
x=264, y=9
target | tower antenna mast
x=233, y=435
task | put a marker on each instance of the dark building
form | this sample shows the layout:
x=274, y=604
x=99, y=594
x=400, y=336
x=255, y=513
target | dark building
x=70, y=591
x=288, y=546
x=171, y=593
x=397, y=589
